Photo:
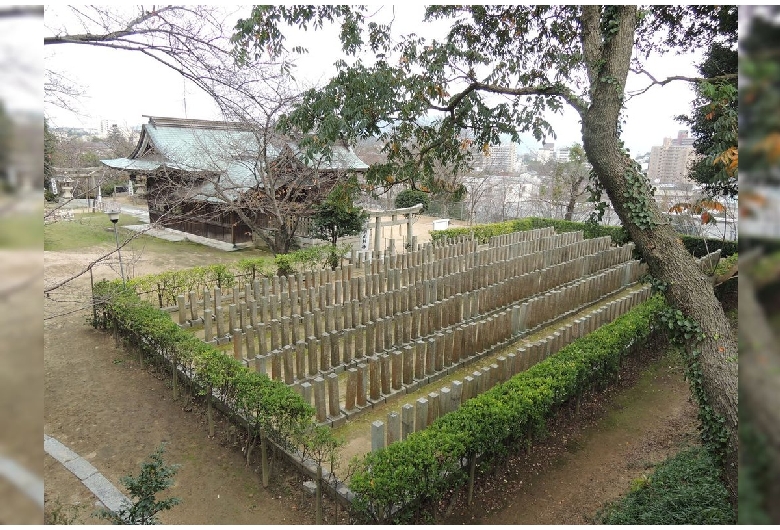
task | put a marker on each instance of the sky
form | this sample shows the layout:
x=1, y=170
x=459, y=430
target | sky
x=122, y=86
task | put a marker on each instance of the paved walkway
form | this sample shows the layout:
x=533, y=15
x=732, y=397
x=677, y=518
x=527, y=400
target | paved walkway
x=106, y=492
x=170, y=234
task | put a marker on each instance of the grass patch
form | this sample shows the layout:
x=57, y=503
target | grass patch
x=85, y=230
x=94, y=229
x=685, y=489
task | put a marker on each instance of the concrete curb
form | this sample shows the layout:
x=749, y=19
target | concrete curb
x=99, y=485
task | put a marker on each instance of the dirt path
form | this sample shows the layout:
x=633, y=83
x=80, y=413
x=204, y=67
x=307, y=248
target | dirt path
x=592, y=460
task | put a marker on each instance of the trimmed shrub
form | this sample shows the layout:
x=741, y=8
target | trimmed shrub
x=700, y=246
x=409, y=198
x=484, y=232
x=697, y=246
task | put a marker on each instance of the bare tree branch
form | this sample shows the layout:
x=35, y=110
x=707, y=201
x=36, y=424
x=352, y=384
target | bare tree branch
x=726, y=77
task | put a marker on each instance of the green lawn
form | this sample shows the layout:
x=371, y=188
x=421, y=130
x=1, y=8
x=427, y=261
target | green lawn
x=85, y=230
x=94, y=229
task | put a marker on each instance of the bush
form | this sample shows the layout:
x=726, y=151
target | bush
x=700, y=246
x=48, y=196
x=697, y=246
x=409, y=198
x=685, y=489
x=155, y=476
x=484, y=232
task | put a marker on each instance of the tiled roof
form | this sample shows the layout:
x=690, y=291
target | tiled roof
x=196, y=145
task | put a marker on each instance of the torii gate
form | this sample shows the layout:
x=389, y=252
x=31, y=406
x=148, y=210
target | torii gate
x=393, y=214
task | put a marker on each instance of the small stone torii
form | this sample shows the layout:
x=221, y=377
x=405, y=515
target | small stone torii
x=393, y=214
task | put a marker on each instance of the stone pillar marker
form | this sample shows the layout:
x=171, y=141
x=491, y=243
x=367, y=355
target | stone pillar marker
x=262, y=348
x=232, y=317
x=377, y=435
x=433, y=407
x=374, y=384
x=253, y=313
x=396, y=359
x=300, y=360
x=384, y=373
x=333, y=395
x=361, y=385
x=325, y=352
x=430, y=354
x=249, y=335
x=407, y=420
x=319, y=399
x=242, y=321
x=260, y=366
x=276, y=341
x=237, y=350
x=206, y=299
x=370, y=338
x=393, y=427
x=289, y=375
x=312, y=347
x=306, y=392
x=209, y=336
x=468, y=389
x=419, y=360
x=335, y=350
x=347, y=350
x=408, y=364
x=182, y=309
x=352, y=382
x=276, y=365
x=421, y=414
x=360, y=342
x=193, y=306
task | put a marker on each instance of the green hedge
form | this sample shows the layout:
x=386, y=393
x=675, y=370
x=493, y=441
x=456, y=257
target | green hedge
x=700, y=246
x=406, y=475
x=484, y=232
x=697, y=246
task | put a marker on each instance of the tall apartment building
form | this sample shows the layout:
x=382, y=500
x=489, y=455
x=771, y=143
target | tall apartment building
x=501, y=159
x=562, y=154
x=545, y=153
x=670, y=162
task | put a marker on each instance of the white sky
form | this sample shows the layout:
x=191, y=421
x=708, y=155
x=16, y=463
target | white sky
x=122, y=86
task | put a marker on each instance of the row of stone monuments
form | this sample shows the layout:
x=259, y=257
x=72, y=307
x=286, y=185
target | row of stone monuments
x=358, y=336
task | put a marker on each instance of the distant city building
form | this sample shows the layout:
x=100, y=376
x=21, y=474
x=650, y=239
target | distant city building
x=644, y=161
x=562, y=154
x=500, y=159
x=670, y=162
x=546, y=153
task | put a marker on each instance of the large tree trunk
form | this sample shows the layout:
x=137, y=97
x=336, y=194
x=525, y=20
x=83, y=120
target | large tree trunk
x=689, y=290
